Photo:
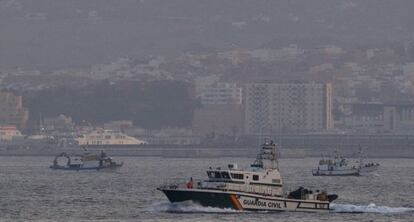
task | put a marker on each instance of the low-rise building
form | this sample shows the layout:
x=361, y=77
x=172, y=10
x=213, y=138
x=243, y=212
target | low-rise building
x=379, y=118
x=9, y=132
x=119, y=125
x=60, y=123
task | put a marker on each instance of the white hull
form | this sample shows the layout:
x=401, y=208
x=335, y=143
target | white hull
x=250, y=202
x=243, y=201
x=346, y=172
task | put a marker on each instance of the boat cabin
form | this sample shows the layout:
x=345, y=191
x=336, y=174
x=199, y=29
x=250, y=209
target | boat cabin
x=253, y=179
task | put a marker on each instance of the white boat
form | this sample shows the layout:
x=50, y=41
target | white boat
x=339, y=166
x=258, y=187
x=112, y=138
x=84, y=161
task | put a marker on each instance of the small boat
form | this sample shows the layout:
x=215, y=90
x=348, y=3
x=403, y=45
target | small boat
x=257, y=188
x=85, y=161
x=339, y=166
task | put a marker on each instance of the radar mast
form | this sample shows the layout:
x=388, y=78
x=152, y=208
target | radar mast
x=268, y=154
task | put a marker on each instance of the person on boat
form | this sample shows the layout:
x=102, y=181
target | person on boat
x=323, y=196
x=190, y=183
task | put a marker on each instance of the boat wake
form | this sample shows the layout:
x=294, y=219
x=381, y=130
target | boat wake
x=376, y=175
x=191, y=207
x=370, y=208
x=188, y=207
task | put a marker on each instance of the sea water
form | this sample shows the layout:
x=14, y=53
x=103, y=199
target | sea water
x=29, y=190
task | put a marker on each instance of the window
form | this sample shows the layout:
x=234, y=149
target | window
x=238, y=176
x=225, y=175
x=255, y=177
x=217, y=175
x=275, y=181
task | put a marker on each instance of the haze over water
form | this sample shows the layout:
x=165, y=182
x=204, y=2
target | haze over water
x=31, y=191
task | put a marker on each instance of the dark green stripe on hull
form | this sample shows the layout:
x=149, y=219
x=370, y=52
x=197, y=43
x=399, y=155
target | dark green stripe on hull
x=206, y=199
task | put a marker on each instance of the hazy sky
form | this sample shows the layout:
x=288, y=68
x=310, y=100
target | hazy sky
x=49, y=34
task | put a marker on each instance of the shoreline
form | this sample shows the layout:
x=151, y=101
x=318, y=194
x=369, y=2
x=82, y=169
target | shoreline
x=216, y=152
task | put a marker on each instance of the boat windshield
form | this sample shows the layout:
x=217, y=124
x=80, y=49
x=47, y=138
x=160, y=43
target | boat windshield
x=218, y=175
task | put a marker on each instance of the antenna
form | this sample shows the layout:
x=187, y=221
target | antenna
x=41, y=127
x=360, y=154
x=260, y=137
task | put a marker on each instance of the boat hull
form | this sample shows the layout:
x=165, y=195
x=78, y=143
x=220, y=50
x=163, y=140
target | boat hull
x=81, y=168
x=243, y=201
x=368, y=169
x=347, y=172
x=350, y=172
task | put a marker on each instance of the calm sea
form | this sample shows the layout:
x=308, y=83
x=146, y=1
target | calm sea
x=29, y=190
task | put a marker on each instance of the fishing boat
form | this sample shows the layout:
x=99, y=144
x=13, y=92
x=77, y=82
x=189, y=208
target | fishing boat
x=85, y=161
x=339, y=166
x=256, y=188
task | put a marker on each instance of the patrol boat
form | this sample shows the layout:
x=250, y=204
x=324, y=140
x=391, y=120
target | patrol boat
x=85, y=161
x=257, y=188
x=339, y=166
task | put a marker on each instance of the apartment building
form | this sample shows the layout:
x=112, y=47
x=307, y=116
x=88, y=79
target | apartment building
x=287, y=107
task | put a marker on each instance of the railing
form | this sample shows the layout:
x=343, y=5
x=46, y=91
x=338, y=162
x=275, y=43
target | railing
x=174, y=183
x=180, y=183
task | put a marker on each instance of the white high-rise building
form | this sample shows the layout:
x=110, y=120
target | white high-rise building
x=221, y=93
x=287, y=107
